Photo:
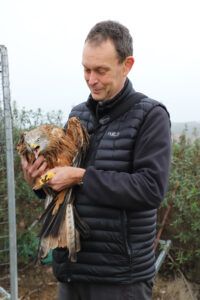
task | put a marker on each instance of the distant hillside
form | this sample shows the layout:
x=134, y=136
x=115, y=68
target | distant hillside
x=192, y=129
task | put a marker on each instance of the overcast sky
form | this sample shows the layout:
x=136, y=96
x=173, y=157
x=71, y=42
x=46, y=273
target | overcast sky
x=45, y=39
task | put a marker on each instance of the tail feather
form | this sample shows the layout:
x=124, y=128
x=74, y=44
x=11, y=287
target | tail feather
x=52, y=221
x=62, y=226
x=71, y=238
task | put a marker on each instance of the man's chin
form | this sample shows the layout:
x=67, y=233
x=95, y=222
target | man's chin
x=97, y=97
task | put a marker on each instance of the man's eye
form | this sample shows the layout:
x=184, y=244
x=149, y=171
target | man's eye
x=102, y=71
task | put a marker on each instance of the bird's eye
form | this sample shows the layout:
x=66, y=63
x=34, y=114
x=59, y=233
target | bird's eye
x=38, y=139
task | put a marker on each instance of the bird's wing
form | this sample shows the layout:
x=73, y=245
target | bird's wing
x=77, y=133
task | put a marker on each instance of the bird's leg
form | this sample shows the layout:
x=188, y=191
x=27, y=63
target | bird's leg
x=40, y=182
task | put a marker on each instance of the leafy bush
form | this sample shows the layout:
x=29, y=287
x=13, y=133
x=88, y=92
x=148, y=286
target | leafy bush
x=184, y=194
x=26, y=119
x=27, y=244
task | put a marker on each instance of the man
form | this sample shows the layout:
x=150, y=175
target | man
x=124, y=176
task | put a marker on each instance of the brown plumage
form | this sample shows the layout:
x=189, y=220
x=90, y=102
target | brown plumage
x=61, y=224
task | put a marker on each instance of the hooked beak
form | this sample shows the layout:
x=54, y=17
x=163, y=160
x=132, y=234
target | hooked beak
x=36, y=149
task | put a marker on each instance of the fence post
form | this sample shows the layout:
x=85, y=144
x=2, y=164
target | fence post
x=10, y=174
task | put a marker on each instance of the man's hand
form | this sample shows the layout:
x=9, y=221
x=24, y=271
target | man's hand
x=33, y=171
x=65, y=177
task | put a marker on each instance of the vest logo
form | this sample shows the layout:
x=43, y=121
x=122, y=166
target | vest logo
x=114, y=133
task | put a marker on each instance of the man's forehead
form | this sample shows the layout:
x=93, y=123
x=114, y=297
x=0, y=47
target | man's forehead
x=99, y=54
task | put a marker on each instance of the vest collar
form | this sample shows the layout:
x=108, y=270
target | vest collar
x=107, y=110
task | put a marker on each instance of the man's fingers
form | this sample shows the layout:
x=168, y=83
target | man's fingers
x=24, y=162
x=38, y=162
x=40, y=170
x=36, y=165
x=32, y=171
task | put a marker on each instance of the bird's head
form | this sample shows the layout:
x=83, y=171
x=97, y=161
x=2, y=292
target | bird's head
x=36, y=141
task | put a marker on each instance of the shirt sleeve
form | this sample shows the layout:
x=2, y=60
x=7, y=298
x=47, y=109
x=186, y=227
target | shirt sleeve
x=146, y=186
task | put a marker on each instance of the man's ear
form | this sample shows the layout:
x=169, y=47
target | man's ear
x=128, y=63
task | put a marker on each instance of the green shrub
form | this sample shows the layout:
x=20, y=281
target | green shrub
x=183, y=227
x=27, y=245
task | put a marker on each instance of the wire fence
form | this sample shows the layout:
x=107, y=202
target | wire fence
x=8, y=250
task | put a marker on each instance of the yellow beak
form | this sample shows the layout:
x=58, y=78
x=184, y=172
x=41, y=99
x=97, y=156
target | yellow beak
x=33, y=146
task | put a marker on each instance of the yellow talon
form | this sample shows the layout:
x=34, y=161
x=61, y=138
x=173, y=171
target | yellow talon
x=46, y=177
x=43, y=180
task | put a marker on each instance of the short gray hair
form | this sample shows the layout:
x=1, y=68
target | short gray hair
x=117, y=33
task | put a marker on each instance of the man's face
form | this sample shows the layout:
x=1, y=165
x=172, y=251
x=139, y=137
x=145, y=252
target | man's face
x=104, y=75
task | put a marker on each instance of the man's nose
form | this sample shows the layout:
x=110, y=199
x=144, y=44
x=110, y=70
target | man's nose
x=92, y=78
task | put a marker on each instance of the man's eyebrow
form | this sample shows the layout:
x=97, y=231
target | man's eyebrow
x=97, y=68
x=102, y=67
